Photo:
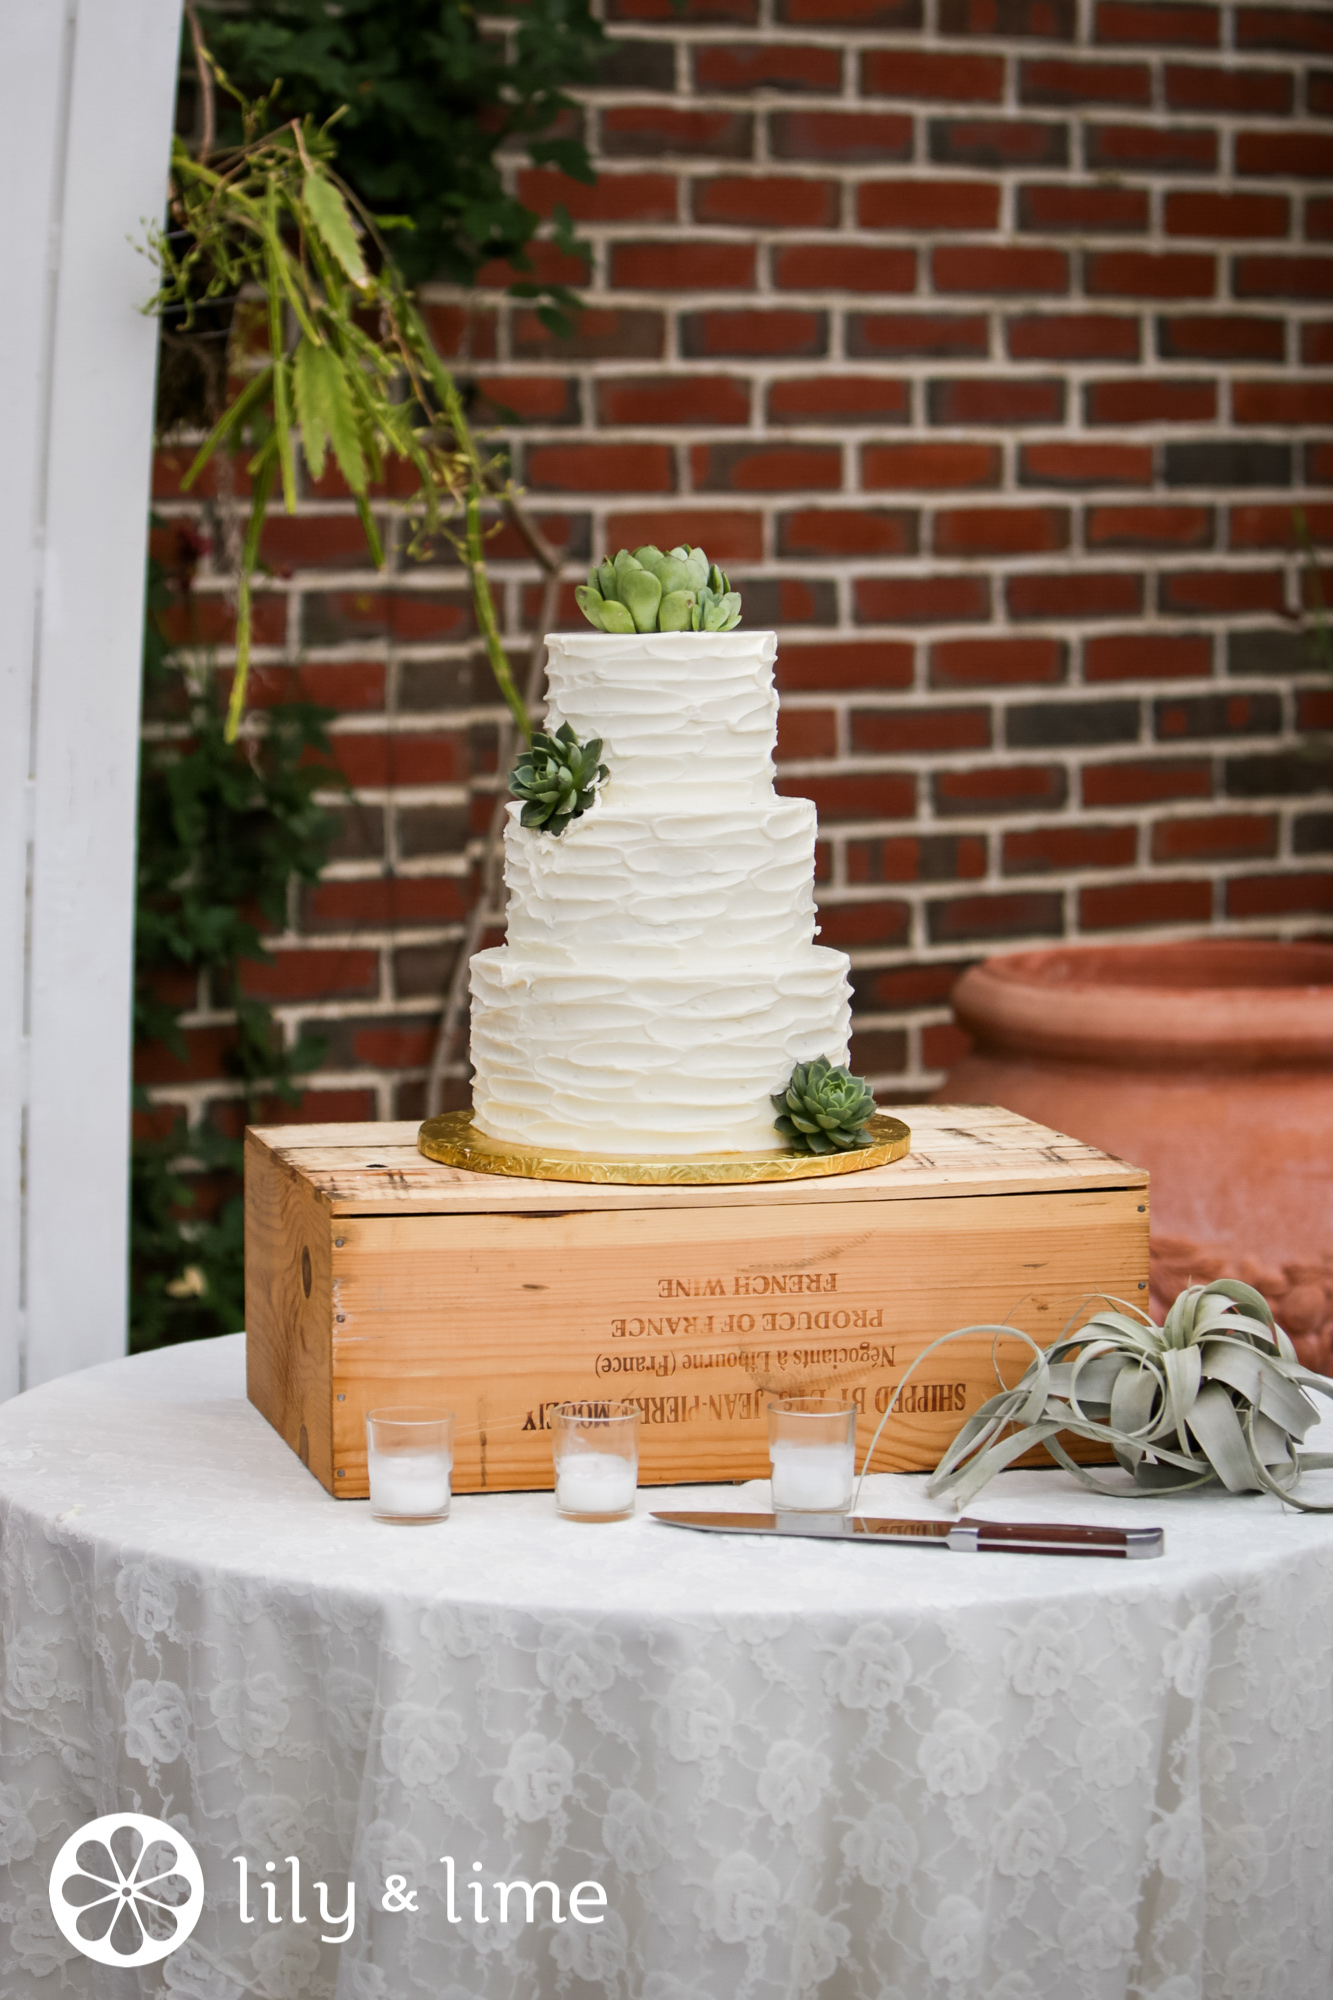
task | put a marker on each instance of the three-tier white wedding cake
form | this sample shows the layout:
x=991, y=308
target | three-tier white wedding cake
x=660, y=980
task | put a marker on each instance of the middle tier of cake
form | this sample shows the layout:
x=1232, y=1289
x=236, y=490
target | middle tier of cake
x=731, y=886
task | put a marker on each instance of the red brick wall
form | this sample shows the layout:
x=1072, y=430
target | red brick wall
x=989, y=344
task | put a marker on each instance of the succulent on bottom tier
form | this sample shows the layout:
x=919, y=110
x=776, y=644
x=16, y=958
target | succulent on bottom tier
x=680, y=591
x=824, y=1109
x=556, y=778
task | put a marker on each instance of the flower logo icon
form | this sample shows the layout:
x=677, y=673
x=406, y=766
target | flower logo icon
x=126, y=1889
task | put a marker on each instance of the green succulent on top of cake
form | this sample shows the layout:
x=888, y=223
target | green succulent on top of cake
x=556, y=778
x=647, y=591
x=824, y=1109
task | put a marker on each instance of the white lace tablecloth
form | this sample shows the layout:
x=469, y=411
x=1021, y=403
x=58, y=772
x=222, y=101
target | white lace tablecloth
x=797, y=1770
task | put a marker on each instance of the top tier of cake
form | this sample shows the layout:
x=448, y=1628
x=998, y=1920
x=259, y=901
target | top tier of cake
x=683, y=723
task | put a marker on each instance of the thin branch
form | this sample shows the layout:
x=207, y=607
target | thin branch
x=527, y=528
x=1318, y=632
x=485, y=609
x=204, y=69
x=454, y=1011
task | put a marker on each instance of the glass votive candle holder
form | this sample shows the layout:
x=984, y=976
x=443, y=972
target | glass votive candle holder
x=811, y=1454
x=410, y=1456
x=596, y=1450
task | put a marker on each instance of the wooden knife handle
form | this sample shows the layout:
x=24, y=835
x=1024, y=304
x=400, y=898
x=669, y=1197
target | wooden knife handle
x=1065, y=1539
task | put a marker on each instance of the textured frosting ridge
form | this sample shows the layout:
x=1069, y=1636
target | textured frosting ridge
x=671, y=1062
x=660, y=980
x=735, y=884
x=674, y=710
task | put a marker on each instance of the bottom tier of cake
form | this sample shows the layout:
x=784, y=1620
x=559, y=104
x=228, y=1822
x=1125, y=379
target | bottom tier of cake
x=672, y=1063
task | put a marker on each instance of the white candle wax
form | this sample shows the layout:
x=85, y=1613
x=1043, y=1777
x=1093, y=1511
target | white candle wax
x=410, y=1483
x=595, y=1482
x=812, y=1478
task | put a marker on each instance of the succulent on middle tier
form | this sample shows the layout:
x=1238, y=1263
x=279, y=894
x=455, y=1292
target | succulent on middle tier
x=647, y=591
x=557, y=778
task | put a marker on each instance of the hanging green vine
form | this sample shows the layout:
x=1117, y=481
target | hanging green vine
x=270, y=245
x=435, y=93
x=272, y=217
x=223, y=830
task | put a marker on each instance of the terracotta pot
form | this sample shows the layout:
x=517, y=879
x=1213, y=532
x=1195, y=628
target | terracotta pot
x=1211, y=1064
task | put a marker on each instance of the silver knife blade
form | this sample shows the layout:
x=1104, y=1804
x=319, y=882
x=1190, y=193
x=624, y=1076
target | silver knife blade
x=1044, y=1538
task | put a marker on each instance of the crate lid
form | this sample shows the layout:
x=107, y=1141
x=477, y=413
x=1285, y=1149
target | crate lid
x=957, y=1149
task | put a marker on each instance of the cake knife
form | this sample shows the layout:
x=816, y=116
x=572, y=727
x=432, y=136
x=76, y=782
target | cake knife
x=1034, y=1538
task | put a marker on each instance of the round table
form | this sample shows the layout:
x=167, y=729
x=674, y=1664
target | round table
x=794, y=1769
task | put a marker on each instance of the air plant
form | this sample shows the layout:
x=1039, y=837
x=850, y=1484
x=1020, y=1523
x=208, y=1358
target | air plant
x=1216, y=1394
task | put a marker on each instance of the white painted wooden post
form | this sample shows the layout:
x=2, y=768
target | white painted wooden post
x=87, y=89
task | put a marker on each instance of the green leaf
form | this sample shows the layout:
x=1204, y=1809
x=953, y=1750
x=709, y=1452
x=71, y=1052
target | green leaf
x=641, y=593
x=1184, y=1367
x=310, y=406
x=592, y=604
x=333, y=220
x=264, y=469
x=675, y=612
x=615, y=617
x=370, y=531
x=282, y=425
x=1214, y=1422
x=331, y=398
x=673, y=575
x=1261, y=1382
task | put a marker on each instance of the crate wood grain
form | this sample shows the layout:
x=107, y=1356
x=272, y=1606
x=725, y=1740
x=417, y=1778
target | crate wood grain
x=376, y=1276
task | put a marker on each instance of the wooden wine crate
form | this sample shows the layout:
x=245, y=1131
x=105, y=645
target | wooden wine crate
x=374, y=1276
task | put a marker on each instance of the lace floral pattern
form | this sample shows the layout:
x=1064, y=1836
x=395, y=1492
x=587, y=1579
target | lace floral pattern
x=799, y=1772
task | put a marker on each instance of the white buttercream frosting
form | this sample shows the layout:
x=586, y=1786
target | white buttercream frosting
x=731, y=886
x=673, y=709
x=660, y=980
x=670, y=1062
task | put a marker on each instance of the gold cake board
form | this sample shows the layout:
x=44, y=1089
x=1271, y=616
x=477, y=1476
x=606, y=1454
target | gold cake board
x=454, y=1141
